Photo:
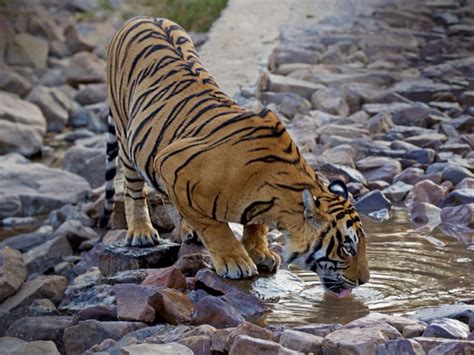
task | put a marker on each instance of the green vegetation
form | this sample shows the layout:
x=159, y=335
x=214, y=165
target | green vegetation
x=192, y=15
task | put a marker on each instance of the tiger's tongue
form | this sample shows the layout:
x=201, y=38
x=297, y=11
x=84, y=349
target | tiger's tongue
x=344, y=293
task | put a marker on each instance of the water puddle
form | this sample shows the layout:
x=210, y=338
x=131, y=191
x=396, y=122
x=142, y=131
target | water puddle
x=409, y=270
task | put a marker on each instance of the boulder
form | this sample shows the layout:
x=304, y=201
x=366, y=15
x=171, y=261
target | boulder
x=330, y=102
x=426, y=191
x=15, y=346
x=216, y=312
x=13, y=82
x=170, y=277
x=19, y=138
x=279, y=83
x=447, y=328
x=45, y=256
x=456, y=174
x=458, y=216
x=28, y=50
x=379, y=168
x=84, y=68
x=250, y=306
x=458, y=197
x=27, y=241
x=396, y=193
x=12, y=272
x=372, y=202
x=301, y=342
x=51, y=189
x=400, y=346
x=199, y=344
x=162, y=349
x=245, y=344
x=423, y=213
x=86, y=162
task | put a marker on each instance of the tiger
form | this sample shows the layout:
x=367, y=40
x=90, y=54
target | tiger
x=217, y=162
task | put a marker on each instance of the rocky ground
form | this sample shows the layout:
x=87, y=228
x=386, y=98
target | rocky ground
x=383, y=102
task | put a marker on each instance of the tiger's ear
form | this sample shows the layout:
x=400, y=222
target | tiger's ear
x=311, y=212
x=338, y=187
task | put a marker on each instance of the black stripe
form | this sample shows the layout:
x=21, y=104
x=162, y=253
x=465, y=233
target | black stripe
x=255, y=209
x=110, y=174
x=109, y=194
x=214, y=205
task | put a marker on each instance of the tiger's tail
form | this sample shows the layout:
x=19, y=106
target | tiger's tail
x=110, y=171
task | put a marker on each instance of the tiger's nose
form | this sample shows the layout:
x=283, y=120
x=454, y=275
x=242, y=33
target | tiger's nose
x=361, y=282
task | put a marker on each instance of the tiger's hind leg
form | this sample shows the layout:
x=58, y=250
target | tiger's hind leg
x=255, y=242
x=140, y=230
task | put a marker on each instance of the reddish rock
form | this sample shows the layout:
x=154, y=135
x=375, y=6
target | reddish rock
x=426, y=191
x=301, y=342
x=216, y=312
x=51, y=287
x=170, y=277
x=199, y=344
x=210, y=279
x=249, y=305
x=320, y=330
x=374, y=318
x=222, y=339
x=136, y=302
x=244, y=344
x=101, y=313
x=379, y=168
x=190, y=264
x=174, y=307
x=12, y=272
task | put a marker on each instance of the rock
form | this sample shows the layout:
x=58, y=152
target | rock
x=84, y=68
x=16, y=137
x=321, y=330
x=43, y=257
x=41, y=328
x=396, y=193
x=12, y=82
x=283, y=55
x=170, y=277
x=341, y=155
x=415, y=116
x=128, y=277
x=54, y=104
x=91, y=94
x=52, y=188
x=86, y=162
x=100, y=313
x=431, y=140
x=425, y=213
x=15, y=346
x=425, y=191
x=458, y=197
x=248, y=305
x=216, y=312
x=136, y=303
x=12, y=272
x=301, y=342
x=359, y=340
x=85, y=36
x=76, y=233
x=245, y=344
x=327, y=130
x=174, y=306
x=400, y=346
x=164, y=349
x=82, y=117
x=279, y=83
x=349, y=174
x=333, y=55
x=119, y=257
x=447, y=328
x=423, y=90
x=199, y=344
x=222, y=339
x=456, y=174
x=380, y=123
x=328, y=101
x=456, y=148
x=379, y=168
x=206, y=278
x=287, y=103
x=51, y=287
x=453, y=347
x=422, y=156
x=458, y=216
x=429, y=344
x=28, y=50
x=78, y=338
x=412, y=331
x=83, y=298
x=372, y=202
x=458, y=311
x=27, y=241
x=190, y=264
x=467, y=183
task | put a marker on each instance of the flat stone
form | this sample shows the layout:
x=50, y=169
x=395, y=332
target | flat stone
x=78, y=338
x=342, y=130
x=432, y=140
x=372, y=202
x=379, y=168
x=92, y=296
x=136, y=302
x=45, y=256
x=321, y=330
x=118, y=257
x=328, y=101
x=32, y=189
x=12, y=272
x=279, y=83
x=429, y=344
x=458, y=311
x=216, y=312
x=396, y=193
x=374, y=318
x=84, y=68
x=453, y=347
x=340, y=155
x=245, y=344
x=415, y=116
x=400, y=346
x=41, y=328
x=287, y=103
x=390, y=108
x=170, y=277
x=461, y=149
x=423, y=90
x=51, y=287
x=447, y=328
x=149, y=349
x=100, y=313
x=27, y=241
x=15, y=346
x=301, y=342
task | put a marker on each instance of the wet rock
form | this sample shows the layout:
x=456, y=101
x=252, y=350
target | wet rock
x=425, y=213
x=431, y=140
x=287, y=103
x=341, y=155
x=458, y=311
x=359, y=340
x=165, y=349
x=119, y=257
x=453, y=347
x=45, y=256
x=41, y=328
x=426, y=191
x=84, y=68
x=199, y=344
x=216, y=312
x=190, y=264
x=400, y=346
x=52, y=188
x=447, y=328
x=14, y=346
x=26, y=241
x=78, y=338
x=396, y=193
x=245, y=344
x=372, y=202
x=51, y=287
x=12, y=82
x=458, y=197
x=248, y=305
x=28, y=50
x=458, y=216
x=415, y=116
x=321, y=330
x=174, y=307
x=379, y=168
x=301, y=342
x=100, y=313
x=170, y=277
x=456, y=174
x=279, y=83
x=54, y=104
x=422, y=156
x=330, y=102
x=12, y=272
x=136, y=303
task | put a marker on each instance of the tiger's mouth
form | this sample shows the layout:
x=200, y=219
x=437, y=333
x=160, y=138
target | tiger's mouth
x=337, y=288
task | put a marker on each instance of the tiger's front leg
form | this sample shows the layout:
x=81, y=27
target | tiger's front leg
x=255, y=242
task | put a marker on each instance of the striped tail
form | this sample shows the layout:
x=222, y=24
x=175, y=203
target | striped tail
x=110, y=170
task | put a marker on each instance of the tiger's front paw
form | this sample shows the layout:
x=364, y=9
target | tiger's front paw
x=266, y=260
x=143, y=236
x=235, y=266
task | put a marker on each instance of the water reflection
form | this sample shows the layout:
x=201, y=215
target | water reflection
x=410, y=269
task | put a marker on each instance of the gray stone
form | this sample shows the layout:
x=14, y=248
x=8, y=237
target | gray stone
x=245, y=344
x=430, y=344
x=91, y=94
x=45, y=256
x=447, y=328
x=27, y=241
x=396, y=193
x=301, y=342
x=380, y=123
x=12, y=272
x=32, y=189
x=456, y=174
x=458, y=216
x=330, y=102
x=341, y=155
x=415, y=116
x=28, y=50
x=92, y=296
x=84, y=68
x=458, y=197
x=432, y=140
x=12, y=82
x=426, y=191
x=15, y=346
x=379, y=168
x=278, y=83
x=288, y=55
x=467, y=183
x=54, y=104
x=457, y=311
x=69, y=213
x=423, y=90
x=319, y=329
x=164, y=349
x=20, y=138
x=461, y=149
x=350, y=175
x=423, y=213
x=76, y=233
x=216, y=312
x=86, y=162
x=372, y=202
x=400, y=346
x=422, y=156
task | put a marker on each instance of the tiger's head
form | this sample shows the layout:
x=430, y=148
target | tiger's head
x=336, y=246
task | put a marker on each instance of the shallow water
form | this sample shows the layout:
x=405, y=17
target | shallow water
x=409, y=270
